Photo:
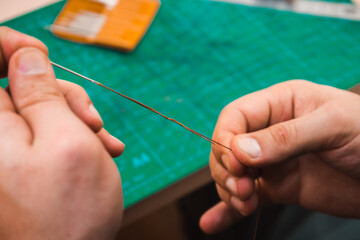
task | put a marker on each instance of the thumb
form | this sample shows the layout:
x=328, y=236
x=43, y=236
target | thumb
x=310, y=133
x=36, y=94
x=10, y=42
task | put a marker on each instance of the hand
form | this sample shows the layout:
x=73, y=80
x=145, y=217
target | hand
x=76, y=97
x=305, y=140
x=57, y=179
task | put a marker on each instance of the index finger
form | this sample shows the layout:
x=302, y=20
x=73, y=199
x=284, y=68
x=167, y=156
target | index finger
x=256, y=111
x=241, y=116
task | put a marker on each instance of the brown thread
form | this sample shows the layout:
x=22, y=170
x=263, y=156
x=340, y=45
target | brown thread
x=173, y=120
x=143, y=105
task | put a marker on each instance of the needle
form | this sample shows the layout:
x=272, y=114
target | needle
x=141, y=104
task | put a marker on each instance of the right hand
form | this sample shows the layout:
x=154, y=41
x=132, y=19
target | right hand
x=304, y=138
x=57, y=178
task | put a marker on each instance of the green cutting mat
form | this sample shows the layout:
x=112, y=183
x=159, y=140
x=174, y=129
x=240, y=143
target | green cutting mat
x=197, y=57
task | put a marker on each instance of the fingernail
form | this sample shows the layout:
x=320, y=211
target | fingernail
x=239, y=205
x=32, y=63
x=231, y=185
x=250, y=146
x=95, y=112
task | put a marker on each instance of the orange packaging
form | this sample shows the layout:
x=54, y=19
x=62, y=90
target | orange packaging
x=114, y=23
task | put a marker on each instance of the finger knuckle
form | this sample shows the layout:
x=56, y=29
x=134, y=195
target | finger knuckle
x=76, y=151
x=32, y=98
x=223, y=195
x=246, y=211
x=4, y=29
x=226, y=108
x=282, y=134
x=75, y=87
x=213, y=174
x=336, y=114
x=74, y=91
x=227, y=111
x=298, y=82
x=81, y=90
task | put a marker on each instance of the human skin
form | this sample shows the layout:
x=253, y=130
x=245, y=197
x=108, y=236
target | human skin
x=303, y=138
x=57, y=176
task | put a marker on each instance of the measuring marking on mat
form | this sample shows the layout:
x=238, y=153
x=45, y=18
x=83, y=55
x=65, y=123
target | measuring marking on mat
x=325, y=9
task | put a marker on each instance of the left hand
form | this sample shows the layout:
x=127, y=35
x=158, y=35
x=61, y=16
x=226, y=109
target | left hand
x=58, y=180
x=76, y=96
